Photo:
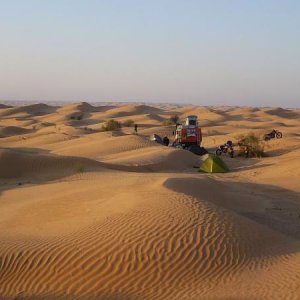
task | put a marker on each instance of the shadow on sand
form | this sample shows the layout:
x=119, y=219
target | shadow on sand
x=274, y=207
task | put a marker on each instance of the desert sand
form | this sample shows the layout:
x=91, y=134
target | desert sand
x=86, y=214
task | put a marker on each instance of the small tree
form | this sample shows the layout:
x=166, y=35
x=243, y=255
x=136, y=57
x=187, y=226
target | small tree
x=111, y=125
x=250, y=145
x=174, y=119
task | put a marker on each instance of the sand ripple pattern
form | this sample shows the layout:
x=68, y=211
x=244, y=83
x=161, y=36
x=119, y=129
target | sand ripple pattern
x=175, y=248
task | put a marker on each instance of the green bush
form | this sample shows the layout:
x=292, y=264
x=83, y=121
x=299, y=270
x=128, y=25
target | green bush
x=111, y=125
x=128, y=123
x=252, y=144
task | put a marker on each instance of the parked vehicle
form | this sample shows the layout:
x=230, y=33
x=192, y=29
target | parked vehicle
x=226, y=148
x=188, y=136
x=273, y=134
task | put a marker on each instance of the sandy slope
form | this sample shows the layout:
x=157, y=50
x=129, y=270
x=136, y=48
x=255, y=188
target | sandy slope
x=86, y=214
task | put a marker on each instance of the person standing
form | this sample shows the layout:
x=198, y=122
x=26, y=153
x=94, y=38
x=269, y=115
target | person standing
x=135, y=128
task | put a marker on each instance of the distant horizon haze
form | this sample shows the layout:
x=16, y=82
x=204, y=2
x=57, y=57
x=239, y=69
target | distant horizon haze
x=233, y=53
x=148, y=103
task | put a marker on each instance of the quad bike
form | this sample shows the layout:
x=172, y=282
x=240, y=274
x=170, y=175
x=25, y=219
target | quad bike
x=226, y=148
x=274, y=133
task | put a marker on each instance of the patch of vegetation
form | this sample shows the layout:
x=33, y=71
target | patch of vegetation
x=77, y=117
x=173, y=120
x=111, y=125
x=167, y=122
x=250, y=145
x=128, y=123
x=47, y=124
x=79, y=167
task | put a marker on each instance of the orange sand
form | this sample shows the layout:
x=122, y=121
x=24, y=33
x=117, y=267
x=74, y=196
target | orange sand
x=86, y=214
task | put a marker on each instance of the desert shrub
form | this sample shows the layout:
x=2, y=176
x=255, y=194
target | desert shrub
x=111, y=125
x=174, y=119
x=128, y=123
x=251, y=143
x=79, y=167
x=167, y=122
x=76, y=117
x=47, y=124
x=171, y=121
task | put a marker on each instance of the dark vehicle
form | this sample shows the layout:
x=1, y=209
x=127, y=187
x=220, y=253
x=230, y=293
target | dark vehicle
x=274, y=133
x=226, y=148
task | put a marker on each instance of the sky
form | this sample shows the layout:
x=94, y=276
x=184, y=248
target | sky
x=226, y=52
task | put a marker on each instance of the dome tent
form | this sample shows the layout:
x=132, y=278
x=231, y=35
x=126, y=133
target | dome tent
x=213, y=164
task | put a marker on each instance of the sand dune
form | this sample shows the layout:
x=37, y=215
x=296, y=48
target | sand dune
x=34, y=109
x=205, y=113
x=86, y=214
x=13, y=130
x=186, y=251
x=131, y=110
x=154, y=159
x=283, y=113
x=101, y=145
x=82, y=107
x=18, y=163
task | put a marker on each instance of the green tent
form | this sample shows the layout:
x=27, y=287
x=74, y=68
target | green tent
x=213, y=164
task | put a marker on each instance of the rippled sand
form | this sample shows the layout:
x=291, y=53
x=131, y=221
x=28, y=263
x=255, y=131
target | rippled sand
x=86, y=214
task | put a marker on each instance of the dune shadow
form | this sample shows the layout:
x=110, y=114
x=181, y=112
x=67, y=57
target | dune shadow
x=253, y=166
x=26, y=150
x=272, y=206
x=283, y=113
x=279, y=152
x=23, y=166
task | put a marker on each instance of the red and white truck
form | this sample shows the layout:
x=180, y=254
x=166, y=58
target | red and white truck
x=188, y=136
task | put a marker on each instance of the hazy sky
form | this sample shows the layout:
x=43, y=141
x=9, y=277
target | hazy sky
x=202, y=52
